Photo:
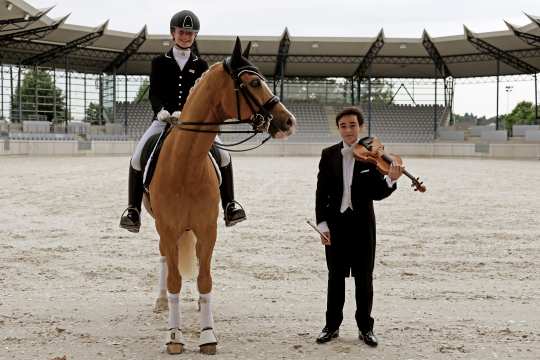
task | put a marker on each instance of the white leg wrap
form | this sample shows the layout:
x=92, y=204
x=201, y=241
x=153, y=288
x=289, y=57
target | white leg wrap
x=174, y=311
x=162, y=277
x=206, y=317
x=175, y=337
x=208, y=337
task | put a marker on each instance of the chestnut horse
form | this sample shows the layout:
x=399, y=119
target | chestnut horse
x=184, y=192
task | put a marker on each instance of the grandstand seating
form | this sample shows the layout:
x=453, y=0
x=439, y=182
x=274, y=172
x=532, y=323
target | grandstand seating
x=390, y=122
x=42, y=136
x=403, y=123
x=32, y=126
x=108, y=137
x=139, y=117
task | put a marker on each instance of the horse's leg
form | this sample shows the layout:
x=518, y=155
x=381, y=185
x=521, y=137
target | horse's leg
x=161, y=301
x=174, y=341
x=205, y=246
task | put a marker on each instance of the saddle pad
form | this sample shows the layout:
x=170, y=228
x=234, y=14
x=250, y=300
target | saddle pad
x=150, y=155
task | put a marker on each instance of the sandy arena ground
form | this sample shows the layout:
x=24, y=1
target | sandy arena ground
x=454, y=276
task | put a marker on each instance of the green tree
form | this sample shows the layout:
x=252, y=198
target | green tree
x=142, y=94
x=93, y=114
x=381, y=92
x=523, y=113
x=38, y=95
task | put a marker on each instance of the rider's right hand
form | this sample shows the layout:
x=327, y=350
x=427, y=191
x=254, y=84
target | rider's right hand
x=163, y=115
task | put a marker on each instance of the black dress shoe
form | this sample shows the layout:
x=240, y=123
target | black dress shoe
x=369, y=338
x=327, y=335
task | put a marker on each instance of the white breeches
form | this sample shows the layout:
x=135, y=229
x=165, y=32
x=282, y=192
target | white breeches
x=157, y=127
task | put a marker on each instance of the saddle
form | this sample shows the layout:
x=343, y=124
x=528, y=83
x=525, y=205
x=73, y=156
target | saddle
x=152, y=149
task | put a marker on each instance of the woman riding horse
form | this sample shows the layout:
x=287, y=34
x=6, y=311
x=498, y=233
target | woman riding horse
x=172, y=77
x=183, y=195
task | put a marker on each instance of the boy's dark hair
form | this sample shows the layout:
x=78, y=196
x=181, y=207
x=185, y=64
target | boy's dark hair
x=350, y=110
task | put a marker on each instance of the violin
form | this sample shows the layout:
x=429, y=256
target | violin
x=363, y=152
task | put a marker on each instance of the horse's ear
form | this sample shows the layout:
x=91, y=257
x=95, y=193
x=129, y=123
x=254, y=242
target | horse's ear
x=237, y=52
x=246, y=50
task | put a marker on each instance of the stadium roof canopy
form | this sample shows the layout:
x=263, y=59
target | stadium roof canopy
x=29, y=37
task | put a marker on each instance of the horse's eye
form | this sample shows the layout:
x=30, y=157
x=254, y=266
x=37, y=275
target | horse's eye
x=255, y=83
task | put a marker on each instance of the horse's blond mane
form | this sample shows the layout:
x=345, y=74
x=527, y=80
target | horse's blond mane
x=203, y=75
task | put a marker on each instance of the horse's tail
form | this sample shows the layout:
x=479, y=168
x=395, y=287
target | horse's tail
x=187, y=257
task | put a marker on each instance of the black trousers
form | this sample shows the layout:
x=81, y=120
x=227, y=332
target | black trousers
x=363, y=281
x=336, y=300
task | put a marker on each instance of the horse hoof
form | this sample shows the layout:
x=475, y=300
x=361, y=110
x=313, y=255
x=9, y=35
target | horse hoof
x=209, y=349
x=175, y=348
x=162, y=304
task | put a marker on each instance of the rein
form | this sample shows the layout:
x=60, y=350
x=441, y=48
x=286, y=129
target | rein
x=260, y=119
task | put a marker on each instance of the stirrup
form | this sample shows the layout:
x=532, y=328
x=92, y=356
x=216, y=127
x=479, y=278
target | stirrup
x=231, y=222
x=127, y=223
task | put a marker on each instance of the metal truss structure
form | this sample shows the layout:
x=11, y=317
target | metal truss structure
x=69, y=47
x=21, y=22
x=30, y=34
x=129, y=51
x=370, y=56
x=435, y=55
x=500, y=55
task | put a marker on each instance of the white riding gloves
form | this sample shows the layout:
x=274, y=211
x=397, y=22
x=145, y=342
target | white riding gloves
x=176, y=114
x=163, y=115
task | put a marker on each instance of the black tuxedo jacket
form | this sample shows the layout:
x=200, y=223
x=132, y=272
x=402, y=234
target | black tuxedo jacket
x=353, y=240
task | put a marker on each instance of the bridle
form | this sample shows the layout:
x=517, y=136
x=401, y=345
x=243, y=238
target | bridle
x=260, y=119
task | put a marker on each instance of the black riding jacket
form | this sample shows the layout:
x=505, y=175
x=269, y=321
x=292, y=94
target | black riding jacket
x=169, y=86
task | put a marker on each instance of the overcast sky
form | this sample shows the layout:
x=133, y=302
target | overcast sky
x=405, y=18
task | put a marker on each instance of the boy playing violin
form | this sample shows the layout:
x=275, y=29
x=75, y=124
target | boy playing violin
x=345, y=192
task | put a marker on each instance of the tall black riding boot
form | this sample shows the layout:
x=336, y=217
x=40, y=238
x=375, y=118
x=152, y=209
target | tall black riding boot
x=232, y=213
x=131, y=217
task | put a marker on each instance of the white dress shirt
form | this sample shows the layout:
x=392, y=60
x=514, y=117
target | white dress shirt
x=348, y=170
x=181, y=56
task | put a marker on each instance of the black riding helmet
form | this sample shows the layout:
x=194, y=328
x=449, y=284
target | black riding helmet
x=186, y=20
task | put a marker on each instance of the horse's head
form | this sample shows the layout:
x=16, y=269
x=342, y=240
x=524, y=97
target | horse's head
x=250, y=97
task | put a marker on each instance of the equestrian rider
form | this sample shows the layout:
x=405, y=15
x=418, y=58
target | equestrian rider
x=172, y=76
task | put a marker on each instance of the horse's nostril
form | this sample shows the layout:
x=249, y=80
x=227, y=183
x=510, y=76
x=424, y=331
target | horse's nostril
x=289, y=122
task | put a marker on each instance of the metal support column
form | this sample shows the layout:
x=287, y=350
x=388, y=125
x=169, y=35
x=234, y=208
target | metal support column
x=352, y=90
x=536, y=99
x=11, y=97
x=2, y=89
x=84, y=94
x=19, y=93
x=325, y=91
x=67, y=94
x=113, y=113
x=497, y=114
x=54, y=95
x=435, y=106
x=359, y=91
x=126, y=100
x=36, y=103
x=100, y=109
x=369, y=106
x=282, y=77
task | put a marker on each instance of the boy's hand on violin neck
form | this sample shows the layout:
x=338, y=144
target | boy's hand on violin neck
x=377, y=149
x=395, y=171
